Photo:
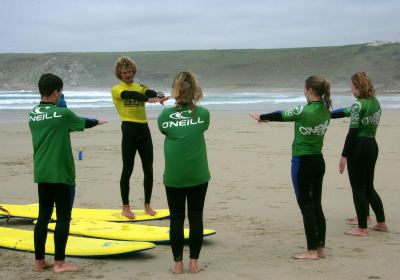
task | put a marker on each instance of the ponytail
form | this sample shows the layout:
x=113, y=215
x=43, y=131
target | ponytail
x=321, y=87
x=327, y=94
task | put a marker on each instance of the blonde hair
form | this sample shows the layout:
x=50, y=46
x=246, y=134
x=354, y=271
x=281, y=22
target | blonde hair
x=124, y=62
x=321, y=87
x=186, y=90
x=363, y=84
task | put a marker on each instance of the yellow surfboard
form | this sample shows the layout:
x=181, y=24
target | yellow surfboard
x=113, y=215
x=18, y=239
x=123, y=231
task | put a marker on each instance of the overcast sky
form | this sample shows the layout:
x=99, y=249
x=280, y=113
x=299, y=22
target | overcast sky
x=143, y=25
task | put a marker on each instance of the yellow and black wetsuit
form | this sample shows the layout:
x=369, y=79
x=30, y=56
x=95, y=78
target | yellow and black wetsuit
x=129, y=100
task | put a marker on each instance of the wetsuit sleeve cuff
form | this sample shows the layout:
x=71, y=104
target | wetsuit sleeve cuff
x=274, y=116
x=151, y=93
x=338, y=113
x=89, y=123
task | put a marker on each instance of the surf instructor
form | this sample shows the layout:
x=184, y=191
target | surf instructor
x=54, y=169
x=129, y=99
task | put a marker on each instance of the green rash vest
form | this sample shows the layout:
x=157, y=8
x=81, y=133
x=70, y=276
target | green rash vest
x=311, y=123
x=185, y=149
x=50, y=128
x=364, y=114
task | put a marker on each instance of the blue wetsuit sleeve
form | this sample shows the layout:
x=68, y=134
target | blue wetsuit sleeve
x=338, y=113
x=274, y=116
x=351, y=139
x=62, y=103
x=89, y=123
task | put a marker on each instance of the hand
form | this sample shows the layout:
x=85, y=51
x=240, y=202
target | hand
x=342, y=164
x=153, y=100
x=165, y=98
x=255, y=116
x=100, y=122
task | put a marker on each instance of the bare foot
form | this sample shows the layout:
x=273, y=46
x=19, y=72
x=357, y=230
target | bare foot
x=354, y=221
x=178, y=268
x=194, y=266
x=148, y=210
x=126, y=211
x=307, y=255
x=41, y=265
x=380, y=227
x=62, y=266
x=321, y=252
x=357, y=232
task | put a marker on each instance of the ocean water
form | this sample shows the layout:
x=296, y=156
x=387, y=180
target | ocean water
x=25, y=100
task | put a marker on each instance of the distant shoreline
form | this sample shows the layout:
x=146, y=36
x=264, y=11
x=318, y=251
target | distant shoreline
x=227, y=90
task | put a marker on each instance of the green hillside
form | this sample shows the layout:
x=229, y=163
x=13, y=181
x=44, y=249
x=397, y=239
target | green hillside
x=250, y=69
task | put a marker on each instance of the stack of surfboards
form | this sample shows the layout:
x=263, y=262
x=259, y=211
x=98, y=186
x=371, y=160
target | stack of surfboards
x=101, y=232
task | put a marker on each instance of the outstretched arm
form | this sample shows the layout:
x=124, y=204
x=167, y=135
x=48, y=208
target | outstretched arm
x=90, y=122
x=149, y=95
x=274, y=116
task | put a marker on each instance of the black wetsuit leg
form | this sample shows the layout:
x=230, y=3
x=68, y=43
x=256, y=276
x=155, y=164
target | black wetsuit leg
x=196, y=198
x=145, y=149
x=136, y=137
x=176, y=198
x=176, y=202
x=60, y=195
x=308, y=173
x=361, y=168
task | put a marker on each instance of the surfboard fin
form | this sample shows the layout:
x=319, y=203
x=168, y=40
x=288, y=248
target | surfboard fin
x=6, y=211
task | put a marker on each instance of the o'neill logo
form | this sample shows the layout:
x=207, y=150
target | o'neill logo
x=318, y=130
x=183, y=118
x=181, y=115
x=37, y=115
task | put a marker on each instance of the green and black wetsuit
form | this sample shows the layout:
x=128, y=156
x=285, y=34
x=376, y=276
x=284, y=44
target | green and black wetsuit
x=361, y=151
x=308, y=165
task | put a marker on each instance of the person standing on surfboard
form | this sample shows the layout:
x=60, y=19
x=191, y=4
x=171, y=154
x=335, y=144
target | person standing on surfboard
x=308, y=165
x=129, y=100
x=186, y=173
x=360, y=153
x=54, y=169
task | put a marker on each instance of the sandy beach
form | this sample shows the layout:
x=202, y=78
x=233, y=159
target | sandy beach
x=250, y=201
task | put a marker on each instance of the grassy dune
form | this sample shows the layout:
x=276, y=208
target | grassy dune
x=251, y=69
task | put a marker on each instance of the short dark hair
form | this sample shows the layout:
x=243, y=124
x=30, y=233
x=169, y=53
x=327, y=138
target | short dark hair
x=48, y=83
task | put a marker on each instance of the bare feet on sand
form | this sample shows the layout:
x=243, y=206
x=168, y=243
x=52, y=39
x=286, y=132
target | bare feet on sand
x=148, y=210
x=357, y=232
x=41, y=265
x=194, y=266
x=307, y=255
x=178, y=268
x=321, y=252
x=126, y=211
x=62, y=266
x=354, y=221
x=380, y=227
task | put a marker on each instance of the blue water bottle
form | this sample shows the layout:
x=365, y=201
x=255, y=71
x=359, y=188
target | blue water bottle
x=80, y=155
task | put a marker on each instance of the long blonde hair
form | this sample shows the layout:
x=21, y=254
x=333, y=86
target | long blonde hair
x=363, y=84
x=322, y=87
x=186, y=90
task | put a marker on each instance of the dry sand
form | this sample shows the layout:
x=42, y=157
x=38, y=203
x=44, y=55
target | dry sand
x=250, y=202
